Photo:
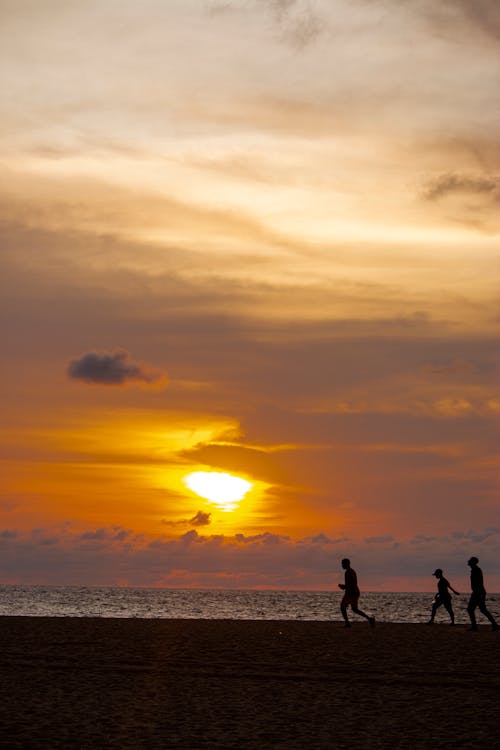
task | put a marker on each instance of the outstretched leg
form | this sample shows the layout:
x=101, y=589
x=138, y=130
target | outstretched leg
x=449, y=609
x=370, y=618
x=487, y=613
x=360, y=613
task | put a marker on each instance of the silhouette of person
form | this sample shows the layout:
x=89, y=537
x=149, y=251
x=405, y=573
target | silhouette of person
x=351, y=594
x=478, y=596
x=443, y=597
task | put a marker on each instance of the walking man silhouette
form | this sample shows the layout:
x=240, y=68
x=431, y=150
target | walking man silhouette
x=478, y=596
x=442, y=597
x=351, y=594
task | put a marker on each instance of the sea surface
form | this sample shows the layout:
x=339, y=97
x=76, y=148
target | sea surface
x=76, y=601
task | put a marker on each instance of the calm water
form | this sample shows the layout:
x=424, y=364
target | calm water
x=74, y=601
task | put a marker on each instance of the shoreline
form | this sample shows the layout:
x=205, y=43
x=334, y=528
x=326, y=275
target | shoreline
x=187, y=683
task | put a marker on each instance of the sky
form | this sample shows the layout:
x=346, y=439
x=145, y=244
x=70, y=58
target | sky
x=256, y=238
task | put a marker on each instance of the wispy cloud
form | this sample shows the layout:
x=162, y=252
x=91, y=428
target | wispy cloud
x=451, y=183
x=485, y=14
x=299, y=23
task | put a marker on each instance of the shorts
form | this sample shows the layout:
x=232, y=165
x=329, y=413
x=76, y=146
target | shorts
x=350, y=600
x=477, y=600
x=444, y=600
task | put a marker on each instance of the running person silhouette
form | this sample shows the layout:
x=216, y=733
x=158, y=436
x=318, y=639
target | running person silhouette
x=478, y=596
x=351, y=594
x=442, y=597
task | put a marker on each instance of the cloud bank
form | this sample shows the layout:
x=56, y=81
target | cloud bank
x=117, y=556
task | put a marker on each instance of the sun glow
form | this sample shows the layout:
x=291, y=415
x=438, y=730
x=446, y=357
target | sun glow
x=224, y=490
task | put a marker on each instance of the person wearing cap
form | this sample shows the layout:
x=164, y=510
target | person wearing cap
x=443, y=597
x=478, y=596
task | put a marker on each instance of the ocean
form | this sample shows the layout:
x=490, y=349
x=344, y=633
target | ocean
x=77, y=601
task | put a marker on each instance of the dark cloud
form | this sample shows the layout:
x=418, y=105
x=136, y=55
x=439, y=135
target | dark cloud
x=324, y=539
x=379, y=539
x=114, y=368
x=8, y=534
x=476, y=536
x=115, y=533
x=423, y=539
x=265, y=538
x=452, y=183
x=200, y=519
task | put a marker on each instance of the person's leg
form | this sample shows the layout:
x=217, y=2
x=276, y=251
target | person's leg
x=359, y=612
x=487, y=613
x=435, y=607
x=343, y=609
x=449, y=609
x=471, y=610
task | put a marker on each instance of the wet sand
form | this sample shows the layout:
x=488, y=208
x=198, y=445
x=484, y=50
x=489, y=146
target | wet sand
x=115, y=683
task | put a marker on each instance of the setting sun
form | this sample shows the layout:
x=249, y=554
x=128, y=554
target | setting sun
x=224, y=490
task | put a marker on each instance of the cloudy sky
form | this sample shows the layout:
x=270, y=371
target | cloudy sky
x=254, y=237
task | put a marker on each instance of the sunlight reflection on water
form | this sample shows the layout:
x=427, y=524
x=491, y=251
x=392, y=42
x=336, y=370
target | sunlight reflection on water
x=78, y=601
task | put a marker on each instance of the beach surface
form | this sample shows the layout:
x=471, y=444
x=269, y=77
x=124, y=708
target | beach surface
x=116, y=683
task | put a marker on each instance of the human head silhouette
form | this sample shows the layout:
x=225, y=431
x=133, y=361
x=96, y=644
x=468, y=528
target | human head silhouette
x=472, y=561
x=438, y=573
x=346, y=563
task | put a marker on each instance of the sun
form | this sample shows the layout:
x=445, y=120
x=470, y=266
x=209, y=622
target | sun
x=224, y=490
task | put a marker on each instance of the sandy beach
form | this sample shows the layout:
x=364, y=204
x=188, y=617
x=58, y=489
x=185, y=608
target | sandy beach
x=118, y=683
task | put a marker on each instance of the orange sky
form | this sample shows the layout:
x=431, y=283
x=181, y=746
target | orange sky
x=258, y=238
